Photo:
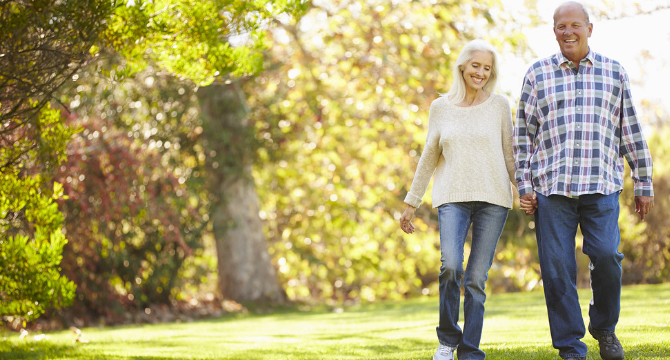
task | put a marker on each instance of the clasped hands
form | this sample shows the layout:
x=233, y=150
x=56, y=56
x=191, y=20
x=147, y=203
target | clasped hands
x=528, y=203
x=643, y=204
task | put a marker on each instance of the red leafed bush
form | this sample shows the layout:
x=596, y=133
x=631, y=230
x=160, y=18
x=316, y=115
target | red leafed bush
x=130, y=222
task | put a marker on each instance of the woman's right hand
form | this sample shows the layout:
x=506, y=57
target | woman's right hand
x=406, y=219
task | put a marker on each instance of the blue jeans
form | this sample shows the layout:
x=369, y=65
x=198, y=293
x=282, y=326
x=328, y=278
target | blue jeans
x=557, y=218
x=487, y=224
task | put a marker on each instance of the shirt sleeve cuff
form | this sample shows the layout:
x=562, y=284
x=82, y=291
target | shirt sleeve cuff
x=644, y=189
x=524, y=188
x=413, y=200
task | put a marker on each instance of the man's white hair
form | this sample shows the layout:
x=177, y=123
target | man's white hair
x=586, y=12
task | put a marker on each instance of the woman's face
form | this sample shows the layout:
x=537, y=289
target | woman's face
x=477, y=71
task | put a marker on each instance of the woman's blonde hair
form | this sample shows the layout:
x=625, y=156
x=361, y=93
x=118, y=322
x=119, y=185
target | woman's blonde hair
x=457, y=92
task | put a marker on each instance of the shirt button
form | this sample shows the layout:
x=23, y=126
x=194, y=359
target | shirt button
x=579, y=109
x=579, y=92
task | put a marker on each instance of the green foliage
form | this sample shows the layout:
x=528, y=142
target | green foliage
x=30, y=236
x=31, y=240
x=37, y=146
x=44, y=44
x=342, y=115
x=30, y=281
x=192, y=38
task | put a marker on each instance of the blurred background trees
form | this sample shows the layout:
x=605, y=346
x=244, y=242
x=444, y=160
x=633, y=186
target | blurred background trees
x=134, y=222
x=196, y=151
x=341, y=112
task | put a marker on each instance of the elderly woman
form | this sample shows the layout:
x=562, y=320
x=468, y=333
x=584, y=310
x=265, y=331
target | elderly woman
x=469, y=149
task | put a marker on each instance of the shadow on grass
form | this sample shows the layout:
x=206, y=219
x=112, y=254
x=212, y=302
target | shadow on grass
x=423, y=350
x=32, y=350
x=45, y=350
x=644, y=351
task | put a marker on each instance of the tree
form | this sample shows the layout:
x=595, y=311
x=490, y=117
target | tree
x=46, y=43
x=246, y=272
x=197, y=47
x=202, y=33
x=137, y=216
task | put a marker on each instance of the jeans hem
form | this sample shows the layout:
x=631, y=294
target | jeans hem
x=597, y=332
x=565, y=356
x=445, y=344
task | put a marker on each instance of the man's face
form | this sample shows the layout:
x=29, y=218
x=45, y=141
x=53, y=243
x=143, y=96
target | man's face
x=572, y=32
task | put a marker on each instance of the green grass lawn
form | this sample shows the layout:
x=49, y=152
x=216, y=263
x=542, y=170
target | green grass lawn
x=515, y=327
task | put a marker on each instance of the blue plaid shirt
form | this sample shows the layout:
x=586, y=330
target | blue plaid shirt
x=574, y=127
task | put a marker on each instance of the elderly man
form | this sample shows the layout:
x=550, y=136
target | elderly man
x=575, y=125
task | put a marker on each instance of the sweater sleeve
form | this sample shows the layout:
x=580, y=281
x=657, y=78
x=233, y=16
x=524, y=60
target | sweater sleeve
x=507, y=141
x=428, y=161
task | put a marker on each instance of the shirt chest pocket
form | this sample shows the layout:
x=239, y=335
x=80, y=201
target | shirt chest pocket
x=553, y=99
x=608, y=97
x=551, y=114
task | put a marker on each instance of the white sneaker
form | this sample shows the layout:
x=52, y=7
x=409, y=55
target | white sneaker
x=444, y=352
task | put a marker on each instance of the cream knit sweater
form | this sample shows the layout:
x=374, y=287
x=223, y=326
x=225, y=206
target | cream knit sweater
x=470, y=151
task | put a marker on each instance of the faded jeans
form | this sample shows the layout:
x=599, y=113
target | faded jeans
x=487, y=222
x=556, y=221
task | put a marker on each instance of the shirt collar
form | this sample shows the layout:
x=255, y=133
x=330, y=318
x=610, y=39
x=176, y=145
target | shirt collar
x=591, y=57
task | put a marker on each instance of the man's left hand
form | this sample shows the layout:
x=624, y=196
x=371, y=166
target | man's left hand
x=643, y=205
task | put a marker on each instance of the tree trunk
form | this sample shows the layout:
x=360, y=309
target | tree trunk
x=246, y=272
